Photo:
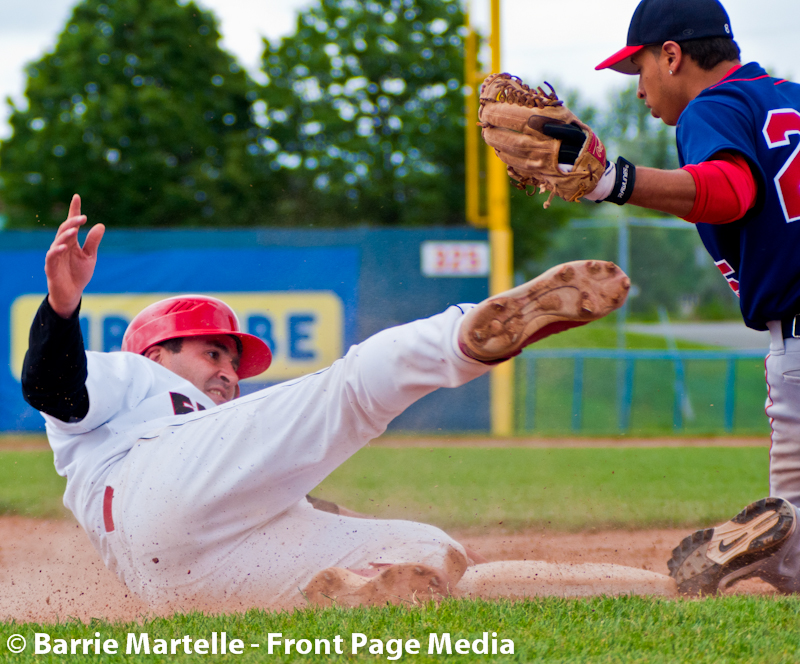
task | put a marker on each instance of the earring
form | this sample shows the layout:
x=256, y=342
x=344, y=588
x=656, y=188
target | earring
x=670, y=72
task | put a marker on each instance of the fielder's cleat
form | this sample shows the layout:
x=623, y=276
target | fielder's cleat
x=710, y=560
x=564, y=297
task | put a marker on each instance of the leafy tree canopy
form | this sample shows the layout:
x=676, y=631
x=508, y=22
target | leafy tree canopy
x=138, y=109
x=360, y=121
x=364, y=111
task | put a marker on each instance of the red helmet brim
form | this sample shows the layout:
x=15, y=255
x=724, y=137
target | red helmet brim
x=256, y=355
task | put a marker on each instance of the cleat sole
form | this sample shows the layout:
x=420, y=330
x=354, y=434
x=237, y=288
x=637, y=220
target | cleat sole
x=564, y=296
x=710, y=560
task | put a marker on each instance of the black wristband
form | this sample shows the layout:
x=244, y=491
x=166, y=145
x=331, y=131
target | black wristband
x=623, y=185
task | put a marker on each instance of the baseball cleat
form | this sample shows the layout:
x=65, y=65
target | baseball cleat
x=561, y=298
x=710, y=560
x=404, y=583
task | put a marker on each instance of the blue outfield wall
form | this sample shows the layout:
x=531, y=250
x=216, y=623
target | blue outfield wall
x=309, y=294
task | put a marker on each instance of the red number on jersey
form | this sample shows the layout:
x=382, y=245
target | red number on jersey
x=730, y=275
x=779, y=126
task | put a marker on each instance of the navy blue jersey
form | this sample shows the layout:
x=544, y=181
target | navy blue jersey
x=758, y=116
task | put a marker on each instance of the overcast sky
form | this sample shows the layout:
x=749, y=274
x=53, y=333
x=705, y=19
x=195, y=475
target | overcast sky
x=558, y=41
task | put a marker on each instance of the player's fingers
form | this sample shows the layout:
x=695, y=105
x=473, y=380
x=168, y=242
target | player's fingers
x=68, y=232
x=93, y=240
x=69, y=225
x=51, y=258
x=65, y=235
x=54, y=250
x=74, y=206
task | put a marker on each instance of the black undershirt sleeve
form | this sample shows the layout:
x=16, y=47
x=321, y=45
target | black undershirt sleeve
x=54, y=371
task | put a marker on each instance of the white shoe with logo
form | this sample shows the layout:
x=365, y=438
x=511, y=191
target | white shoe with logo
x=756, y=542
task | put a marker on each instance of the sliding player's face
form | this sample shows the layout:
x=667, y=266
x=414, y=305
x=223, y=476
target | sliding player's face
x=209, y=363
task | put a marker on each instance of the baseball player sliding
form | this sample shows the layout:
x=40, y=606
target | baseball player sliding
x=738, y=135
x=197, y=498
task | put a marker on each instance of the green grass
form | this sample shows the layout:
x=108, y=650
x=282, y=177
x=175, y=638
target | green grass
x=29, y=485
x=507, y=488
x=563, y=489
x=545, y=391
x=628, y=629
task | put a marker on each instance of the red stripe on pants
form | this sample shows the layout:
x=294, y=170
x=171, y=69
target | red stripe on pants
x=108, y=519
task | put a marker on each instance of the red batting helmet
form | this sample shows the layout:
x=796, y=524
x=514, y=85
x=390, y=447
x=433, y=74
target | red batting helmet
x=194, y=316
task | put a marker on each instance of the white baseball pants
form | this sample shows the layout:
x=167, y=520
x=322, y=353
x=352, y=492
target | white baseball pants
x=213, y=512
x=783, y=410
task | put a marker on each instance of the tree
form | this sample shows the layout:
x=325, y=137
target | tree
x=139, y=109
x=627, y=128
x=364, y=111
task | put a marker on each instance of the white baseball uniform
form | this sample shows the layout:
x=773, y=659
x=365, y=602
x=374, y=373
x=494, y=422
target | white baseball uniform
x=782, y=373
x=208, y=507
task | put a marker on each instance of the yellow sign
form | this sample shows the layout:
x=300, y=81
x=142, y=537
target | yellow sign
x=304, y=329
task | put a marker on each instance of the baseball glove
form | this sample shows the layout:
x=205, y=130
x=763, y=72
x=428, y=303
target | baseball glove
x=532, y=132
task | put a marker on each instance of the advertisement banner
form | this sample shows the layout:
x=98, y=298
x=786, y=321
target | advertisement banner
x=309, y=294
x=303, y=302
x=303, y=329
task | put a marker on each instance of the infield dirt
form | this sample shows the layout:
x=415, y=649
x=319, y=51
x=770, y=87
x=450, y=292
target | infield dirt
x=50, y=572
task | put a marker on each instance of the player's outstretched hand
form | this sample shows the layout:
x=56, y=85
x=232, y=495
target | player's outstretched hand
x=68, y=266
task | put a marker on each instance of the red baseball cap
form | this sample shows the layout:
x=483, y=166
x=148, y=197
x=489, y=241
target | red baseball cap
x=659, y=21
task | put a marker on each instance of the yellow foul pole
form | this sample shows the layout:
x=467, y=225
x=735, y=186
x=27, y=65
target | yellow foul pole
x=500, y=240
x=471, y=135
x=496, y=217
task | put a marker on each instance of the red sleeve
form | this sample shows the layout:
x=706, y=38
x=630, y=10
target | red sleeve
x=726, y=189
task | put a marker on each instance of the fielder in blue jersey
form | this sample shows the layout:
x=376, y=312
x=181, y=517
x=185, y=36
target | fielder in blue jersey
x=751, y=114
x=738, y=134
